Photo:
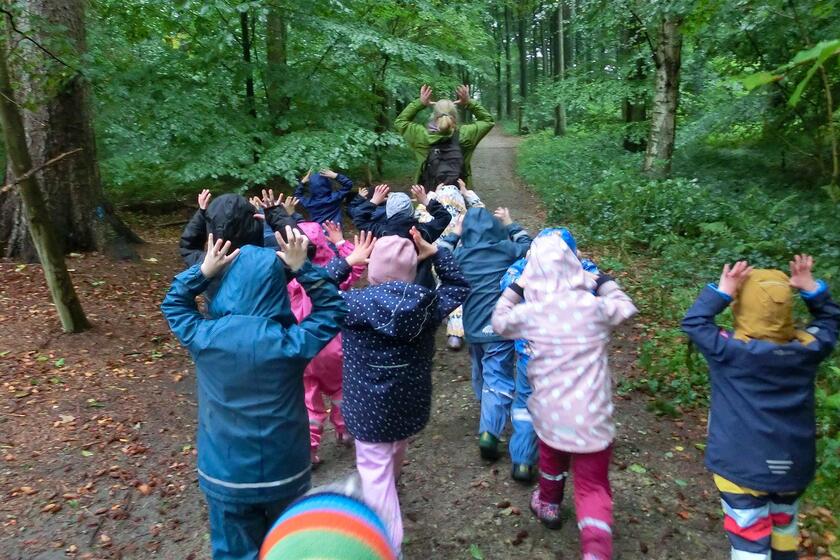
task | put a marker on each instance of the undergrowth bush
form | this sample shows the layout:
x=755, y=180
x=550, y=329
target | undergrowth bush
x=687, y=227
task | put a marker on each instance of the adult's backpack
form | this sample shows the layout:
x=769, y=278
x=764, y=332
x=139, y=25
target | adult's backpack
x=444, y=164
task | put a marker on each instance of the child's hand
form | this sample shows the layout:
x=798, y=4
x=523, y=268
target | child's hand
x=292, y=253
x=425, y=95
x=424, y=248
x=732, y=278
x=289, y=204
x=364, y=192
x=328, y=173
x=268, y=200
x=462, y=186
x=334, y=233
x=256, y=202
x=204, y=199
x=463, y=93
x=503, y=215
x=459, y=225
x=361, y=252
x=801, y=276
x=420, y=193
x=305, y=178
x=216, y=258
x=380, y=193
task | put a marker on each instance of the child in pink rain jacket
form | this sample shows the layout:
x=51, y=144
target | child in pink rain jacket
x=568, y=328
x=322, y=377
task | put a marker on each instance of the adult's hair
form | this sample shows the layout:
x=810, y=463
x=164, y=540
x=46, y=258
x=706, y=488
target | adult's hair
x=445, y=116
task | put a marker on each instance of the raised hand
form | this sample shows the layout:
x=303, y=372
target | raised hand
x=463, y=93
x=334, y=233
x=328, y=173
x=424, y=248
x=462, y=186
x=425, y=95
x=292, y=253
x=305, y=178
x=420, y=193
x=216, y=258
x=289, y=204
x=801, y=276
x=268, y=200
x=256, y=202
x=364, y=192
x=364, y=243
x=503, y=215
x=204, y=199
x=380, y=193
x=732, y=277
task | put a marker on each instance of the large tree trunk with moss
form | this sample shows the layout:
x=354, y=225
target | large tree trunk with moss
x=37, y=215
x=277, y=68
x=61, y=122
x=663, y=126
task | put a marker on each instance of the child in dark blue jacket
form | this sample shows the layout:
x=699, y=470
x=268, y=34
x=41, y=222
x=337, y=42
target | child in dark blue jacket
x=488, y=246
x=762, y=432
x=323, y=203
x=253, y=428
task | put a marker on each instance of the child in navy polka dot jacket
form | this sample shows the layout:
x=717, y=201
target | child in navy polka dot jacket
x=389, y=341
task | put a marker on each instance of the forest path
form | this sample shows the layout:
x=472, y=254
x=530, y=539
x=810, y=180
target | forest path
x=97, y=431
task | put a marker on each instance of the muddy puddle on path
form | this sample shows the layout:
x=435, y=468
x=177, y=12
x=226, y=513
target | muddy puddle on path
x=97, y=433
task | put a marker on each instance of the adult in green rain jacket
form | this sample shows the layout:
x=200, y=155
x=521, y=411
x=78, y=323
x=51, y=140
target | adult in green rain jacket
x=442, y=125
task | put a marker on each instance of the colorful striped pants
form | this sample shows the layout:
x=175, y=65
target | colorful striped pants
x=760, y=525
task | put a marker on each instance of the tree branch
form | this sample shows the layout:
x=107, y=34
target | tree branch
x=10, y=16
x=34, y=170
x=643, y=31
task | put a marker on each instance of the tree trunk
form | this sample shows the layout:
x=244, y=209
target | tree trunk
x=38, y=215
x=382, y=122
x=277, y=68
x=523, y=66
x=250, y=99
x=560, y=71
x=61, y=122
x=535, y=63
x=663, y=124
x=508, y=67
x=634, y=105
x=572, y=33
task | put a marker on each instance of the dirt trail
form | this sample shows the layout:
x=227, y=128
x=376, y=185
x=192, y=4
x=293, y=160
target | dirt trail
x=107, y=435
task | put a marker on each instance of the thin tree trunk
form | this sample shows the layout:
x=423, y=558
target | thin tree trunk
x=60, y=122
x=250, y=99
x=508, y=66
x=634, y=105
x=560, y=72
x=832, y=133
x=382, y=122
x=276, y=41
x=38, y=216
x=523, y=66
x=572, y=33
x=663, y=126
x=535, y=63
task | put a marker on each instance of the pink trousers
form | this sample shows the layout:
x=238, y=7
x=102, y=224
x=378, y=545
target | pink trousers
x=379, y=466
x=322, y=378
x=593, y=495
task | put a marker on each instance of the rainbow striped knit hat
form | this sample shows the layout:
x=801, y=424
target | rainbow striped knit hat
x=327, y=526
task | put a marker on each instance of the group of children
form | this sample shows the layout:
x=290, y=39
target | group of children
x=284, y=330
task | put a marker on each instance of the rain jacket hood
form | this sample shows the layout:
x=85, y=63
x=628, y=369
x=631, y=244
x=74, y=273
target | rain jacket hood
x=255, y=286
x=231, y=217
x=323, y=252
x=763, y=308
x=481, y=229
x=320, y=187
x=553, y=268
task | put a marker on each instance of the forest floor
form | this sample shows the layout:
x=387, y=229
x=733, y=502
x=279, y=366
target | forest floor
x=97, y=455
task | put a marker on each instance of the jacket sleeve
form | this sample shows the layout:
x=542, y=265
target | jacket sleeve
x=414, y=134
x=449, y=241
x=338, y=270
x=472, y=200
x=345, y=184
x=508, y=320
x=471, y=134
x=699, y=324
x=824, y=328
x=616, y=306
x=277, y=218
x=299, y=189
x=453, y=289
x=304, y=341
x=362, y=215
x=440, y=219
x=521, y=240
x=355, y=271
x=194, y=239
x=179, y=306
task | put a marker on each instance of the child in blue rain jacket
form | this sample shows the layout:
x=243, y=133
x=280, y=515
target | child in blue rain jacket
x=253, y=428
x=762, y=428
x=323, y=203
x=486, y=247
x=523, y=442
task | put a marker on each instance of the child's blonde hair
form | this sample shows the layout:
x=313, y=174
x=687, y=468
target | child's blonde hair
x=445, y=116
